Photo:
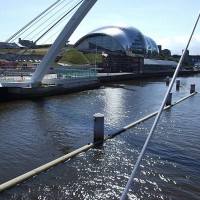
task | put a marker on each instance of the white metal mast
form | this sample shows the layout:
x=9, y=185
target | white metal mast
x=61, y=40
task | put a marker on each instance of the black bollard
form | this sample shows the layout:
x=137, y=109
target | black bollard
x=167, y=80
x=178, y=84
x=192, y=88
x=169, y=100
x=98, y=128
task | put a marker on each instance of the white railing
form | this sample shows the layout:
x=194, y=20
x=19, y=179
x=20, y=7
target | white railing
x=7, y=79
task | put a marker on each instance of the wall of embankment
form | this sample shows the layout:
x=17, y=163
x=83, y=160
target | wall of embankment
x=123, y=77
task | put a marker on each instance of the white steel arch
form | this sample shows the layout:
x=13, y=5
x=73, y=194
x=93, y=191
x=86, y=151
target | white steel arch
x=61, y=40
x=53, y=51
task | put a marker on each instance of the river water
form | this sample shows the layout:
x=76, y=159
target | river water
x=34, y=132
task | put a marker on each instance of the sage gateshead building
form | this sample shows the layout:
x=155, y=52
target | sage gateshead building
x=123, y=48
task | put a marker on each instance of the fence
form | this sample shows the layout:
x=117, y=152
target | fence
x=72, y=73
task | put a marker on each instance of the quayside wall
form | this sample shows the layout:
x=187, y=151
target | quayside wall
x=52, y=87
x=130, y=76
x=62, y=86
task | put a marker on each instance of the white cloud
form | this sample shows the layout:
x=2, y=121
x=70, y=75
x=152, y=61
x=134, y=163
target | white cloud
x=177, y=43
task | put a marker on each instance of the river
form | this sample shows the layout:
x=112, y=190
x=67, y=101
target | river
x=34, y=132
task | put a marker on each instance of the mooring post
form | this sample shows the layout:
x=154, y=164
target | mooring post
x=98, y=128
x=169, y=99
x=192, y=88
x=178, y=84
x=167, y=80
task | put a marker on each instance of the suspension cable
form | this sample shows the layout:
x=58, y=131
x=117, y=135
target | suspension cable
x=50, y=28
x=32, y=21
x=55, y=33
x=130, y=181
x=36, y=21
x=44, y=22
x=52, y=22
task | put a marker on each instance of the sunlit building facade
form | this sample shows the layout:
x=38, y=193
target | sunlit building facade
x=126, y=47
x=125, y=40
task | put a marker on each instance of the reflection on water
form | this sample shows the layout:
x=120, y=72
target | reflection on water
x=35, y=132
x=113, y=106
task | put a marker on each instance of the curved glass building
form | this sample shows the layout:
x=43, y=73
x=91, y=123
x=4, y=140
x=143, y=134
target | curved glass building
x=124, y=40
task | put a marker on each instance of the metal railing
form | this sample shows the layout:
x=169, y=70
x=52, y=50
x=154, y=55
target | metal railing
x=75, y=73
x=131, y=179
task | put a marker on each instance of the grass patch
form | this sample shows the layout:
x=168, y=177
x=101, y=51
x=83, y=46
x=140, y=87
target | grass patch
x=69, y=55
x=74, y=57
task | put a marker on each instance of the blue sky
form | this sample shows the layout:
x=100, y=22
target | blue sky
x=168, y=22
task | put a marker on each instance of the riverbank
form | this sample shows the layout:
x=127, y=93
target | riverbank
x=113, y=77
x=50, y=87
x=64, y=86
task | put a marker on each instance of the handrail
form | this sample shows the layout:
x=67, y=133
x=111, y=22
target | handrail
x=130, y=181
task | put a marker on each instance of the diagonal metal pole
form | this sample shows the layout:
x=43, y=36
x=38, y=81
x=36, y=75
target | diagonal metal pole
x=130, y=181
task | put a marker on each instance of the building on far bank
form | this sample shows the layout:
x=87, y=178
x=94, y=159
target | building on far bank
x=26, y=43
x=124, y=49
x=164, y=52
x=6, y=45
x=118, y=39
x=152, y=65
x=190, y=60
